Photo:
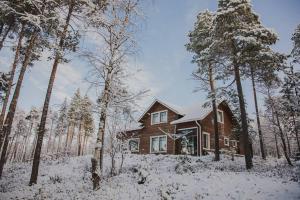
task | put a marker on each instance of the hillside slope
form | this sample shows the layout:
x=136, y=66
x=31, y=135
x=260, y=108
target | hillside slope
x=156, y=177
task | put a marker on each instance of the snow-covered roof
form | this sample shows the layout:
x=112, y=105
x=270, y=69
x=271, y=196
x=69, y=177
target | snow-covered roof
x=197, y=111
x=170, y=106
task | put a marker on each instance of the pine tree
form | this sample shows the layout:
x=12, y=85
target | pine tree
x=3, y=85
x=239, y=38
x=39, y=19
x=11, y=78
x=19, y=135
x=62, y=124
x=200, y=43
x=296, y=48
x=73, y=116
x=274, y=111
x=289, y=101
x=53, y=119
x=87, y=121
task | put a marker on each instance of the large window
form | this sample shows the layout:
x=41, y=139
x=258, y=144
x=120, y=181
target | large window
x=206, y=141
x=158, y=144
x=159, y=117
x=134, y=145
x=220, y=116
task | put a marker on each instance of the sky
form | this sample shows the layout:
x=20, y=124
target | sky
x=165, y=65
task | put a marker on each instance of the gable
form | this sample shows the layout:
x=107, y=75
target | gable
x=158, y=106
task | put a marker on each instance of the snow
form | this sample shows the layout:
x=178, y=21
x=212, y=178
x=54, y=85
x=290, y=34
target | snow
x=197, y=111
x=156, y=177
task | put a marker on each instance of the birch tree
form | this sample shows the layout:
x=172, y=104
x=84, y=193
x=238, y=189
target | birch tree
x=110, y=66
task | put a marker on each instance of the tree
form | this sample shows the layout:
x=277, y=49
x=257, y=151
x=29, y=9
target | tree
x=19, y=132
x=289, y=100
x=3, y=85
x=110, y=68
x=87, y=122
x=61, y=125
x=263, y=66
x=53, y=118
x=73, y=116
x=40, y=16
x=62, y=35
x=200, y=43
x=296, y=48
x=10, y=79
x=239, y=36
x=274, y=110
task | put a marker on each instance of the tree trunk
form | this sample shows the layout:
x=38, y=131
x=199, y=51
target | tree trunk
x=294, y=114
x=261, y=143
x=275, y=117
x=244, y=134
x=25, y=141
x=10, y=147
x=10, y=82
x=67, y=138
x=12, y=108
x=288, y=143
x=58, y=143
x=41, y=131
x=1, y=27
x=296, y=130
x=33, y=145
x=71, y=137
x=282, y=139
x=97, y=160
x=5, y=35
x=276, y=143
x=215, y=114
x=50, y=134
x=85, y=140
x=79, y=140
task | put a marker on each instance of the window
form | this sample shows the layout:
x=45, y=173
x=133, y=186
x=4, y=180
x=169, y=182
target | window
x=163, y=116
x=159, y=117
x=220, y=116
x=226, y=141
x=155, y=118
x=158, y=144
x=233, y=143
x=134, y=145
x=206, y=141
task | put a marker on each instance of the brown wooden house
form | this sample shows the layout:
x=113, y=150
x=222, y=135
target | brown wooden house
x=169, y=129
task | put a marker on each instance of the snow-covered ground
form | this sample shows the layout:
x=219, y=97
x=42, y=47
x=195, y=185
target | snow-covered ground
x=166, y=177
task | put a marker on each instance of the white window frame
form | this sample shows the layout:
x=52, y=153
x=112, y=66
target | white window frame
x=221, y=111
x=158, y=136
x=226, y=143
x=160, y=122
x=208, y=141
x=136, y=139
x=234, y=143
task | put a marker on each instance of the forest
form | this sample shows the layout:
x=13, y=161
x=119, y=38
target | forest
x=87, y=134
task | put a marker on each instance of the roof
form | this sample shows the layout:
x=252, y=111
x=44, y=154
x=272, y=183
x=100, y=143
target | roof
x=196, y=111
x=174, y=108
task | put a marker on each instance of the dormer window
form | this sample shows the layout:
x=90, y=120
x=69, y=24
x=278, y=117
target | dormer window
x=159, y=117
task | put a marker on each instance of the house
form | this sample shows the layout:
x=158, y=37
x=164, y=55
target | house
x=169, y=129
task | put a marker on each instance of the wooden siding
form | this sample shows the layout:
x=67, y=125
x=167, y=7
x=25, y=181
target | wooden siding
x=149, y=130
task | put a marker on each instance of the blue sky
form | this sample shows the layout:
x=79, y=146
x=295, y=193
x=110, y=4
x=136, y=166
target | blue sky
x=166, y=65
